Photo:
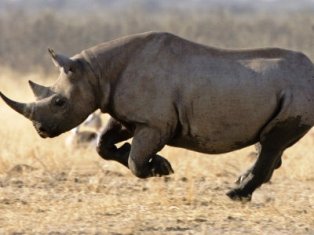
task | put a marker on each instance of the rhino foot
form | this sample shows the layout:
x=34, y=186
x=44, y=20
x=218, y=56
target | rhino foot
x=160, y=166
x=243, y=192
x=238, y=194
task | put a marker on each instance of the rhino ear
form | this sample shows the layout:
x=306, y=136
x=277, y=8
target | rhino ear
x=62, y=62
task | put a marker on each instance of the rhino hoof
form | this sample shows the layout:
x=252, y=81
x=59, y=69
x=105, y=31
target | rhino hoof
x=238, y=195
x=160, y=166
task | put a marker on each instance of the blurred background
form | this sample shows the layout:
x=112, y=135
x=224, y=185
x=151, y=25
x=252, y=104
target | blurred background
x=28, y=28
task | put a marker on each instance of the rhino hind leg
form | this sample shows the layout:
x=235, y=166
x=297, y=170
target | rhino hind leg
x=143, y=160
x=114, y=133
x=247, y=173
x=273, y=143
x=282, y=131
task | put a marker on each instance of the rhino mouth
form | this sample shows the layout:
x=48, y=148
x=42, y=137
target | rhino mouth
x=42, y=134
x=45, y=132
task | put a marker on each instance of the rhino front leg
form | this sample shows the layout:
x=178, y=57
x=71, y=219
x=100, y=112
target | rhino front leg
x=143, y=160
x=114, y=133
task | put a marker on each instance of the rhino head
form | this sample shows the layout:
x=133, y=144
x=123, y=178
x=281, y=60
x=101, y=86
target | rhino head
x=64, y=105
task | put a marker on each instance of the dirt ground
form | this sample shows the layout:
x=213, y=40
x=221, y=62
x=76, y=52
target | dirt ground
x=98, y=197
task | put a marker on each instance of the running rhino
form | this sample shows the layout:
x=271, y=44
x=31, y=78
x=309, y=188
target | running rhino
x=162, y=90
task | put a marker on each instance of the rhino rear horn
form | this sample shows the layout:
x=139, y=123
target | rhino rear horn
x=25, y=109
x=39, y=91
x=62, y=61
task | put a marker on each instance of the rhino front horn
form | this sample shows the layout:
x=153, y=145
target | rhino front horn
x=39, y=91
x=25, y=109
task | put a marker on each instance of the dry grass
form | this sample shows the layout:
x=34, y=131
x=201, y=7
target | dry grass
x=25, y=47
x=46, y=188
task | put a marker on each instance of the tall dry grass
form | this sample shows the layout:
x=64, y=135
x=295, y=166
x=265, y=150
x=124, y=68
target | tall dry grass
x=25, y=47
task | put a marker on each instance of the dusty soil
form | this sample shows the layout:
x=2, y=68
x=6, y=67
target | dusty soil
x=103, y=198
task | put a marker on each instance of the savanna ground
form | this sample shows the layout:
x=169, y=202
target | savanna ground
x=46, y=188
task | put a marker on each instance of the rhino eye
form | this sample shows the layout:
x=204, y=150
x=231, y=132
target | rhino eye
x=59, y=102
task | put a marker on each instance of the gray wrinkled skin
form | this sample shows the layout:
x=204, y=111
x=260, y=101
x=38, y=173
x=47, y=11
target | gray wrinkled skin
x=164, y=90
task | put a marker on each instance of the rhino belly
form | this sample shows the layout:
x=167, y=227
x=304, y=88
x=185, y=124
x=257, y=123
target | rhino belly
x=207, y=145
x=216, y=130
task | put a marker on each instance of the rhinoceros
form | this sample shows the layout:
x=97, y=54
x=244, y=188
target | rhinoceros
x=162, y=90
